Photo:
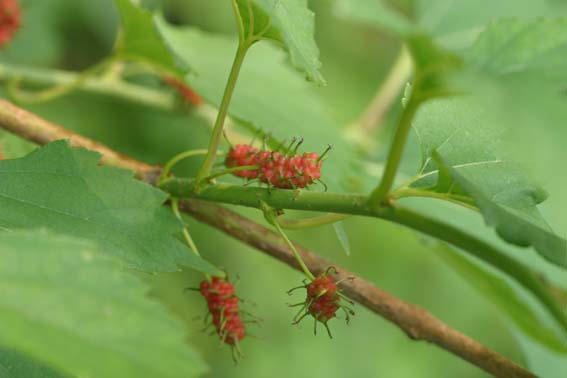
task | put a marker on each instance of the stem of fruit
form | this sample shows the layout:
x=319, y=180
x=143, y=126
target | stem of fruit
x=185, y=232
x=321, y=220
x=207, y=166
x=300, y=261
x=52, y=93
x=270, y=215
x=176, y=159
x=378, y=196
x=230, y=170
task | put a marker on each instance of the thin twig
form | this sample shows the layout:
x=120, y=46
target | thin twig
x=416, y=322
x=41, y=131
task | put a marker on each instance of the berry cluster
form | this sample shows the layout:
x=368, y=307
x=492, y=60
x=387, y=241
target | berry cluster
x=323, y=300
x=280, y=170
x=188, y=94
x=10, y=15
x=222, y=303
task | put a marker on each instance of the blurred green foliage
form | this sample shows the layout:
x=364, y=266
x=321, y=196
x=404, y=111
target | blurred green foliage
x=74, y=34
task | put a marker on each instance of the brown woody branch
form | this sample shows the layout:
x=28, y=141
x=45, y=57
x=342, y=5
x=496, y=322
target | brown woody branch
x=416, y=322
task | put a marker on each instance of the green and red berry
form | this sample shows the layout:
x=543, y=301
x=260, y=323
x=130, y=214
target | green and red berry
x=10, y=19
x=223, y=306
x=280, y=170
x=323, y=300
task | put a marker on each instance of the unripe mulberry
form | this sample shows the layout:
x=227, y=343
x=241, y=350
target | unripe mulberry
x=10, y=15
x=242, y=155
x=323, y=300
x=279, y=170
x=188, y=94
x=323, y=295
x=222, y=304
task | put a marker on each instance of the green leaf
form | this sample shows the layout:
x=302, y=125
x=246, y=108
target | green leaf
x=501, y=292
x=68, y=306
x=433, y=67
x=451, y=24
x=512, y=46
x=289, y=22
x=463, y=159
x=139, y=39
x=65, y=189
x=269, y=96
x=14, y=364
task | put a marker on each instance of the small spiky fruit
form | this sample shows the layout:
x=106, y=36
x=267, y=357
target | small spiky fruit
x=242, y=155
x=280, y=170
x=10, y=19
x=289, y=172
x=323, y=300
x=323, y=296
x=222, y=303
x=188, y=94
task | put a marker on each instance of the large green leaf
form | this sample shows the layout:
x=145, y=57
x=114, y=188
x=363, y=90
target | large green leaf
x=139, y=39
x=503, y=294
x=269, y=95
x=64, y=189
x=14, y=364
x=289, y=22
x=464, y=159
x=452, y=24
x=516, y=50
x=64, y=304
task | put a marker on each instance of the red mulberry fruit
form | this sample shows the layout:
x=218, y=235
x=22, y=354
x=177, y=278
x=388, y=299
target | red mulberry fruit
x=323, y=300
x=222, y=303
x=279, y=170
x=242, y=155
x=10, y=16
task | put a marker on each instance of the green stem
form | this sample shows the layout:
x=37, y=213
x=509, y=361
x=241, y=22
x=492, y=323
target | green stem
x=112, y=88
x=378, y=196
x=56, y=91
x=411, y=192
x=356, y=204
x=230, y=170
x=176, y=159
x=300, y=261
x=185, y=232
x=216, y=137
x=321, y=220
